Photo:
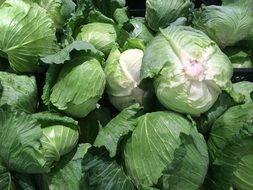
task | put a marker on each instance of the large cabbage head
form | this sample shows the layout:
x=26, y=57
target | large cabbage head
x=226, y=24
x=164, y=149
x=27, y=34
x=102, y=35
x=188, y=68
x=123, y=76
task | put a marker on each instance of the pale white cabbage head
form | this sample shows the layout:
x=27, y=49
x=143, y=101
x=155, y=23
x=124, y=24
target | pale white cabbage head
x=123, y=76
x=188, y=68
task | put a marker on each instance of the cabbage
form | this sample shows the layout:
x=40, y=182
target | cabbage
x=58, y=10
x=239, y=57
x=123, y=75
x=245, y=88
x=27, y=34
x=160, y=14
x=230, y=147
x=226, y=24
x=163, y=149
x=102, y=35
x=140, y=30
x=189, y=70
x=76, y=86
x=59, y=135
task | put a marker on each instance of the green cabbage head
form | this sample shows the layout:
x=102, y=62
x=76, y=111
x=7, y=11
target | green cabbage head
x=160, y=14
x=75, y=81
x=102, y=35
x=226, y=24
x=79, y=86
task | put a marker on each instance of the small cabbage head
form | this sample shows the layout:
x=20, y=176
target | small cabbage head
x=239, y=57
x=79, y=86
x=102, y=35
x=58, y=10
x=75, y=80
x=60, y=135
x=123, y=75
x=188, y=69
x=160, y=14
x=164, y=149
x=245, y=88
x=58, y=140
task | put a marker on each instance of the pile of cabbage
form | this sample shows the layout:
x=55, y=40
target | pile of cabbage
x=92, y=98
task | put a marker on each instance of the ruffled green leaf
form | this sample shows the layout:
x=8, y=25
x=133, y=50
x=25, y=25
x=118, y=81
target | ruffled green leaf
x=48, y=119
x=5, y=179
x=239, y=57
x=230, y=147
x=117, y=128
x=96, y=16
x=20, y=148
x=76, y=47
x=19, y=91
x=192, y=148
x=58, y=10
x=51, y=77
x=68, y=173
x=91, y=124
x=105, y=174
x=108, y=7
x=78, y=19
x=206, y=120
x=139, y=29
x=164, y=142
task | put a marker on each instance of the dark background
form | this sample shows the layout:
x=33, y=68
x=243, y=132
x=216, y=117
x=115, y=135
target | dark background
x=140, y=4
